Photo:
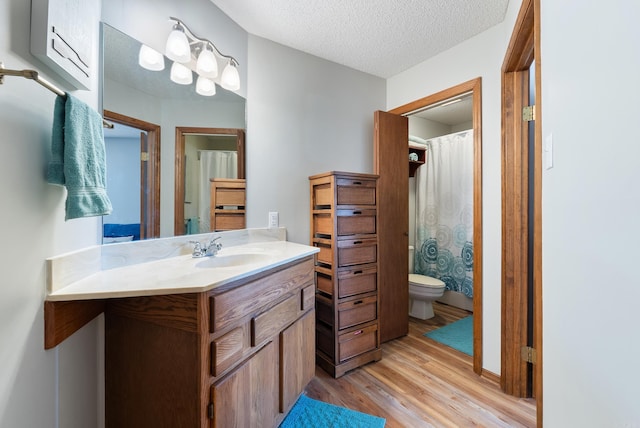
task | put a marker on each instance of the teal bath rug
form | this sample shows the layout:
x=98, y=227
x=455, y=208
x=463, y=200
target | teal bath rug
x=457, y=335
x=310, y=413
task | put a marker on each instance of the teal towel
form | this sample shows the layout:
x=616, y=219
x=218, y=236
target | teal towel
x=78, y=159
x=193, y=226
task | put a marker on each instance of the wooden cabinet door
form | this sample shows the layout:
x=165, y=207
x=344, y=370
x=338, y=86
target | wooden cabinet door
x=297, y=359
x=248, y=397
x=391, y=163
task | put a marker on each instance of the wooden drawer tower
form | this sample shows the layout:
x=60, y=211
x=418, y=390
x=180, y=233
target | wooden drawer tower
x=344, y=227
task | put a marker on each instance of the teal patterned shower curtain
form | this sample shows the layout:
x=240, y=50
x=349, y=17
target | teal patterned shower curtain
x=444, y=212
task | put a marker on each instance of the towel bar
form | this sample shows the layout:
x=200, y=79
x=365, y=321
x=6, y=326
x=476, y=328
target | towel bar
x=34, y=75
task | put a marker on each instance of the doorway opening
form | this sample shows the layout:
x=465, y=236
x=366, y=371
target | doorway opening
x=148, y=155
x=472, y=89
x=212, y=139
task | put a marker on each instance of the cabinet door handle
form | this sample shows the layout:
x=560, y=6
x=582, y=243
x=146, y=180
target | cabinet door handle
x=357, y=212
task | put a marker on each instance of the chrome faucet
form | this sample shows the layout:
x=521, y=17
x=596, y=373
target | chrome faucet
x=207, y=249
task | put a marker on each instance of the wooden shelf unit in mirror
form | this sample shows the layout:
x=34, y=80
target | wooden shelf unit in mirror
x=228, y=201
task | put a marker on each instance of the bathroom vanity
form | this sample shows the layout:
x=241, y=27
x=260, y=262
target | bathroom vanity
x=237, y=351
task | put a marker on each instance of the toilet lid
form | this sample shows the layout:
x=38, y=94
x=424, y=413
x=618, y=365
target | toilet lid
x=425, y=280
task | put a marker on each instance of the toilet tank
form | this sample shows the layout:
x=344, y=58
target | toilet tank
x=411, y=251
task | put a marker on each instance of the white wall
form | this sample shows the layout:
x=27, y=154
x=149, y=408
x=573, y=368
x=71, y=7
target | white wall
x=38, y=388
x=590, y=209
x=425, y=128
x=304, y=116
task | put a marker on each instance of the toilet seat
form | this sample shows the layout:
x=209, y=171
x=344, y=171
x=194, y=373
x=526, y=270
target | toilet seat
x=425, y=281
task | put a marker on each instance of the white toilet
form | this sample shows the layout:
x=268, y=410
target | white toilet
x=423, y=290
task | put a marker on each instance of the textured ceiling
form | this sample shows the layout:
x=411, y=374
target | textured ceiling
x=380, y=37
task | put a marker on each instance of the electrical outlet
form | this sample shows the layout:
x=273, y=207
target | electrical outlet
x=273, y=219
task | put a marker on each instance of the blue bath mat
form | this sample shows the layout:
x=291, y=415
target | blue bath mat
x=310, y=413
x=458, y=335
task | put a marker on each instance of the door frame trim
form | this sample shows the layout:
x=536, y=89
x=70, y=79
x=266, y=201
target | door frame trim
x=523, y=49
x=475, y=87
x=152, y=228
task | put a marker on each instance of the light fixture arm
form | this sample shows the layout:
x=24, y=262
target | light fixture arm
x=195, y=39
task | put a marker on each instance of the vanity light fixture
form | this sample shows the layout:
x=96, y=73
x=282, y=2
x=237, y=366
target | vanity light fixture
x=205, y=86
x=150, y=59
x=192, y=53
x=178, y=48
x=230, y=78
x=181, y=74
x=207, y=64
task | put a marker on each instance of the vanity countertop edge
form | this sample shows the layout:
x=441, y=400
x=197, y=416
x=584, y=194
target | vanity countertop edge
x=182, y=273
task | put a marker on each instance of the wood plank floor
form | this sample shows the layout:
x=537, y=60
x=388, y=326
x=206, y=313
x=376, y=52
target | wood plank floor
x=421, y=383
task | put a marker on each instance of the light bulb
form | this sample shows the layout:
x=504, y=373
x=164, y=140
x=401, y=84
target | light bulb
x=181, y=74
x=207, y=64
x=230, y=78
x=150, y=59
x=205, y=86
x=177, y=48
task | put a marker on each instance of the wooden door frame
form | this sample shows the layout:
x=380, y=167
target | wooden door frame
x=180, y=167
x=523, y=49
x=150, y=229
x=475, y=87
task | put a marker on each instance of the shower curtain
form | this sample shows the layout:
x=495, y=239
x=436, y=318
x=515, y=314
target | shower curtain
x=213, y=164
x=444, y=212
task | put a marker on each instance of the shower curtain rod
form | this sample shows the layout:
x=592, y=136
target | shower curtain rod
x=34, y=75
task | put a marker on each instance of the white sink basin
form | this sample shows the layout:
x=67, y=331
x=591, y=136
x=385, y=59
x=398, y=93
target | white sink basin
x=233, y=260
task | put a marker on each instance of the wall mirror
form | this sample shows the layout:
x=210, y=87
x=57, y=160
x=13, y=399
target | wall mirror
x=149, y=167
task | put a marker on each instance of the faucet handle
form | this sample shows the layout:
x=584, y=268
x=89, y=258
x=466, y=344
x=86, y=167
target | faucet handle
x=213, y=246
x=197, y=249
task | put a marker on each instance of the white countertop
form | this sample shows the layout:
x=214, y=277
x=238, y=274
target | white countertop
x=183, y=273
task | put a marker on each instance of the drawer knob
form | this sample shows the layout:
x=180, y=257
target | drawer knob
x=357, y=242
x=357, y=212
x=357, y=272
x=357, y=183
x=357, y=302
x=355, y=333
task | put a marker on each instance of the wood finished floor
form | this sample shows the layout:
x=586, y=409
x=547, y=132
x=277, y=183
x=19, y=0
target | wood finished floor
x=421, y=383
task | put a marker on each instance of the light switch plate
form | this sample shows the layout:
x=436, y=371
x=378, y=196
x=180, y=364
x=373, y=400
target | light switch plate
x=548, y=152
x=273, y=219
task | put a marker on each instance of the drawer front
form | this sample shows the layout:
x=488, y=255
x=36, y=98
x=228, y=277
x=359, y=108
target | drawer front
x=269, y=323
x=324, y=311
x=231, y=221
x=308, y=298
x=355, y=252
x=357, y=312
x=324, y=340
x=324, y=283
x=227, y=350
x=322, y=195
x=357, y=342
x=322, y=224
x=229, y=197
x=234, y=305
x=356, y=195
x=356, y=280
x=353, y=222
x=325, y=255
